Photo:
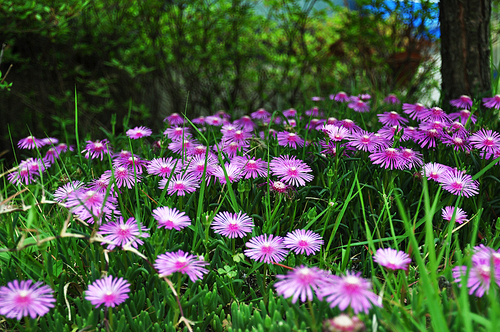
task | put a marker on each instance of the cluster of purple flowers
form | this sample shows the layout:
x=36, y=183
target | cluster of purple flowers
x=455, y=181
x=483, y=272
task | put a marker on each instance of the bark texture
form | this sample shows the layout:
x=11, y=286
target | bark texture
x=465, y=48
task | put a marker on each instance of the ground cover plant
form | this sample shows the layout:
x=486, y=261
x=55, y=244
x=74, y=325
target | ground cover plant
x=351, y=213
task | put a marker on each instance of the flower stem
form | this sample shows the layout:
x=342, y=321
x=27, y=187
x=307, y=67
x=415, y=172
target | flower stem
x=312, y=315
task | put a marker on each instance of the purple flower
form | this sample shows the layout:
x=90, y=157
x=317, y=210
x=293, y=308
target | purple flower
x=342, y=97
x=139, y=132
x=180, y=184
x=233, y=173
x=89, y=204
x=462, y=102
x=350, y=290
x=392, y=259
x=20, y=299
x=177, y=133
x=485, y=140
x=30, y=142
x=290, y=139
x=391, y=119
x=97, y=149
x=301, y=282
x=290, y=113
x=343, y=323
x=164, y=166
x=251, y=167
x=458, y=141
x=65, y=190
x=480, y=275
x=335, y=133
x=303, y=241
x=124, y=177
x=317, y=98
x=448, y=211
x=232, y=225
x=392, y=99
x=197, y=165
x=459, y=183
x=108, y=291
x=245, y=122
x=313, y=111
x=435, y=114
x=232, y=148
x=388, y=158
x=434, y=171
x=410, y=159
x=122, y=234
x=463, y=115
x=182, y=146
x=171, y=262
x=493, y=102
x=291, y=170
x=214, y=120
x=171, y=218
x=415, y=111
x=428, y=137
x=359, y=106
x=363, y=140
x=174, y=119
x=266, y=249
x=260, y=114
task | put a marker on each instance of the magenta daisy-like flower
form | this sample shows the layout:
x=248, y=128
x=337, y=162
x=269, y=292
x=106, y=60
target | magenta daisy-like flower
x=462, y=102
x=266, y=249
x=172, y=262
x=448, y=213
x=392, y=99
x=291, y=170
x=392, y=259
x=200, y=164
x=232, y=173
x=182, y=146
x=290, y=113
x=290, y=139
x=434, y=171
x=342, y=97
x=458, y=141
x=171, y=218
x=232, y=225
x=388, y=158
x=480, y=275
x=177, y=133
x=131, y=162
x=485, y=140
x=97, y=149
x=260, y=114
x=363, y=140
x=391, y=119
x=174, y=119
x=301, y=282
x=245, y=122
x=180, y=184
x=213, y=120
x=139, y=132
x=359, y=106
x=239, y=136
x=108, y=291
x=121, y=233
x=250, y=167
x=89, y=204
x=303, y=241
x=344, y=323
x=428, y=137
x=463, y=116
x=459, y=183
x=65, y=190
x=350, y=290
x=30, y=142
x=22, y=175
x=435, y=114
x=164, y=166
x=20, y=299
x=493, y=102
x=124, y=177
x=410, y=159
x=415, y=111
x=336, y=133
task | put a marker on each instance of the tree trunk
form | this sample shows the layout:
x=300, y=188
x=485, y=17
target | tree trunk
x=465, y=48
